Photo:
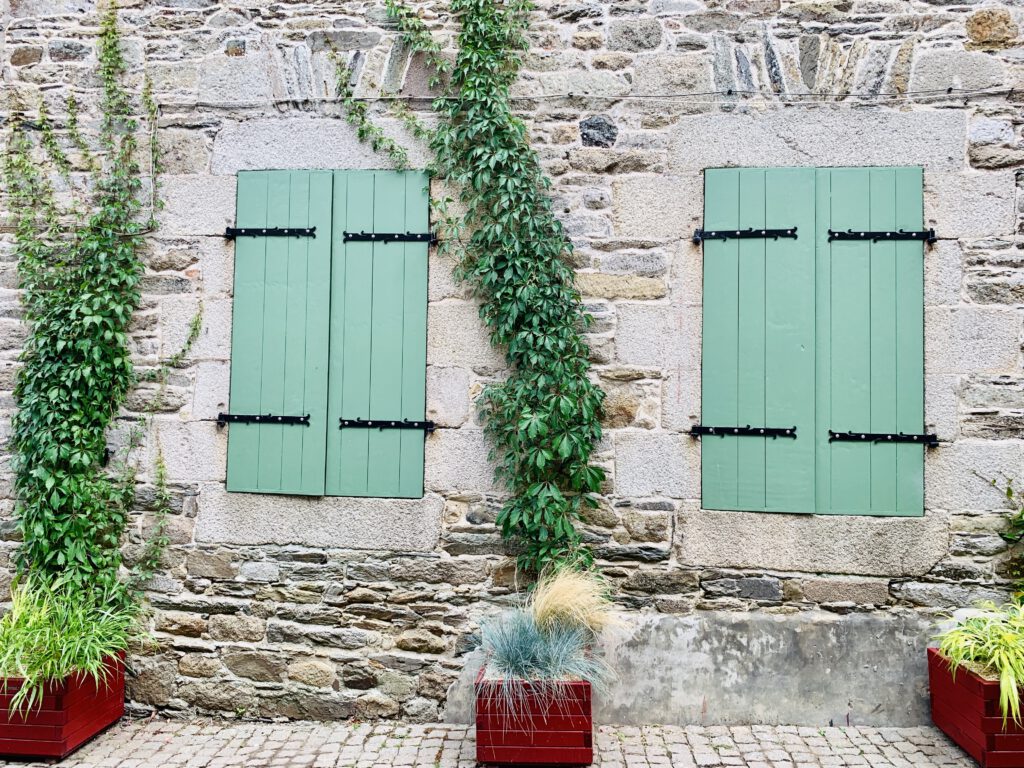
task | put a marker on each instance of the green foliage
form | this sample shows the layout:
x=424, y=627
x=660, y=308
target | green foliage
x=52, y=632
x=79, y=271
x=357, y=113
x=995, y=641
x=544, y=419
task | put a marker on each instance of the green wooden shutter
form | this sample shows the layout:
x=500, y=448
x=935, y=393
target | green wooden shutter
x=279, y=333
x=378, y=335
x=758, y=350
x=870, y=341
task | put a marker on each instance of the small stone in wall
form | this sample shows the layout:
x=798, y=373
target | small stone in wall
x=67, y=50
x=312, y=672
x=421, y=641
x=359, y=676
x=180, y=623
x=25, y=55
x=991, y=28
x=420, y=711
x=630, y=35
x=255, y=665
x=238, y=627
x=234, y=47
x=375, y=705
x=199, y=665
x=598, y=131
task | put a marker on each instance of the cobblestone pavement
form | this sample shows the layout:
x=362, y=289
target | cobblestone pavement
x=210, y=744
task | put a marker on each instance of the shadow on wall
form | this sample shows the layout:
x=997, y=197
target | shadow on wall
x=811, y=668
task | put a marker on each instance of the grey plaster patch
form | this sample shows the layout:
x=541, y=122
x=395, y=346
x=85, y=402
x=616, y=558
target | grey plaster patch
x=196, y=205
x=809, y=668
x=657, y=206
x=255, y=519
x=237, y=81
x=957, y=476
x=457, y=336
x=967, y=339
x=656, y=464
x=820, y=136
x=970, y=205
x=857, y=545
x=456, y=460
x=302, y=142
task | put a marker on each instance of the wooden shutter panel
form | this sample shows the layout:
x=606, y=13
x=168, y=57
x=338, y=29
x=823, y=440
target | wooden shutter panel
x=378, y=335
x=279, y=333
x=870, y=341
x=758, y=350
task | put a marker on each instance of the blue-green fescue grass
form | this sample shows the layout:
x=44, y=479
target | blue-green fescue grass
x=994, y=641
x=519, y=650
x=52, y=632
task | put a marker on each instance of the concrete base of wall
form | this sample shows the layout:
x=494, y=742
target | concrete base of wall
x=812, y=668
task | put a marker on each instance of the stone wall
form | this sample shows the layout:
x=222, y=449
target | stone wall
x=272, y=606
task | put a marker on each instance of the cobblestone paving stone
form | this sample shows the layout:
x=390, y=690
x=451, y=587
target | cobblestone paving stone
x=210, y=744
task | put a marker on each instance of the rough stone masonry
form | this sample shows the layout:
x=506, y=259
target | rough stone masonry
x=273, y=606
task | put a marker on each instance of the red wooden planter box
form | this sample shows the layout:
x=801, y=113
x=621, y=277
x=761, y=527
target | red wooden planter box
x=550, y=728
x=73, y=711
x=966, y=708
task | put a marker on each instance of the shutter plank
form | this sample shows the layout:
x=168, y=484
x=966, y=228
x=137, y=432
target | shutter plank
x=721, y=340
x=351, y=334
x=789, y=328
x=851, y=341
x=275, y=319
x=909, y=259
x=247, y=331
x=822, y=342
x=750, y=368
x=386, y=335
x=414, y=336
x=883, y=341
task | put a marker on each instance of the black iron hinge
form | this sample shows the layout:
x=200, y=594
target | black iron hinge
x=882, y=437
x=699, y=235
x=389, y=237
x=260, y=418
x=747, y=431
x=925, y=235
x=232, y=232
x=427, y=426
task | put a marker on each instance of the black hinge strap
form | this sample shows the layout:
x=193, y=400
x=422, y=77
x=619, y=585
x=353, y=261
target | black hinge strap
x=926, y=235
x=260, y=418
x=700, y=235
x=882, y=437
x=389, y=237
x=386, y=424
x=232, y=232
x=747, y=431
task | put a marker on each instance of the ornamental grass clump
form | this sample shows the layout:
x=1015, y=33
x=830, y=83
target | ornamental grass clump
x=992, y=645
x=51, y=633
x=547, y=643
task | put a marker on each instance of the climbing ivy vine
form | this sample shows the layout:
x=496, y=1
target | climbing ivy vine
x=79, y=267
x=544, y=418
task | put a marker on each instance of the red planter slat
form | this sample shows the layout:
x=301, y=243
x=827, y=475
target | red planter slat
x=966, y=708
x=554, y=728
x=74, y=710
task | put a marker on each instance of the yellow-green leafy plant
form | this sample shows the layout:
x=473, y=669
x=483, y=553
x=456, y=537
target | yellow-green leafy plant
x=991, y=642
x=52, y=632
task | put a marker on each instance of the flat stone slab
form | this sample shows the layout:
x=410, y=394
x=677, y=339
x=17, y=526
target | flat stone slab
x=159, y=743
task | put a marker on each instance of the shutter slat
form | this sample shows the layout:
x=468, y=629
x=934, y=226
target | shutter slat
x=350, y=334
x=275, y=330
x=822, y=341
x=883, y=339
x=247, y=331
x=910, y=342
x=414, y=336
x=789, y=329
x=386, y=346
x=750, y=360
x=721, y=340
x=278, y=362
x=851, y=341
